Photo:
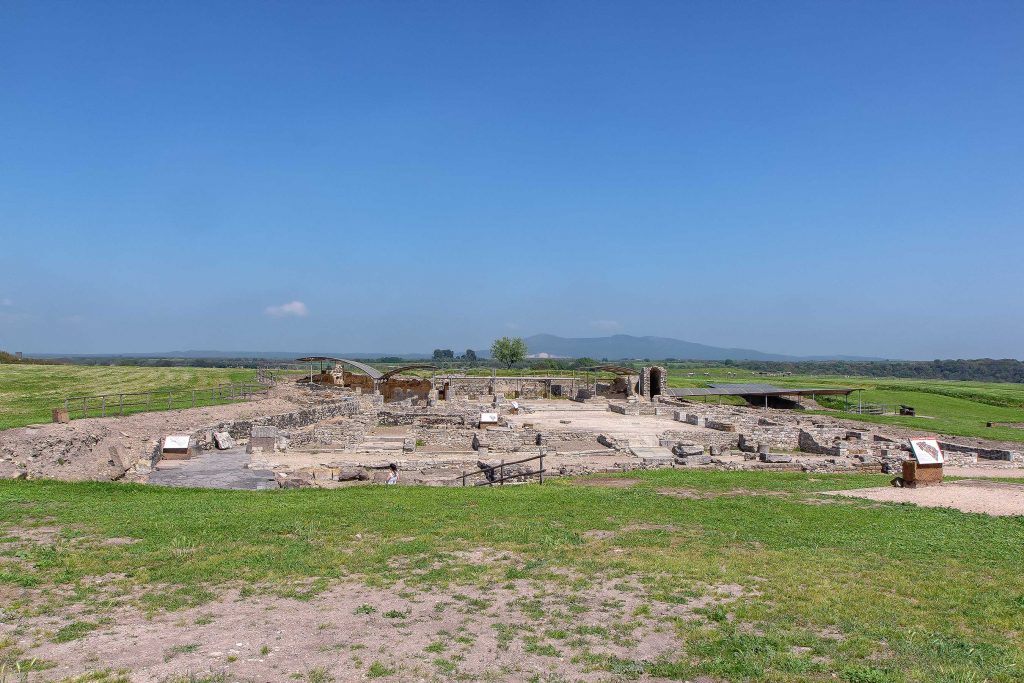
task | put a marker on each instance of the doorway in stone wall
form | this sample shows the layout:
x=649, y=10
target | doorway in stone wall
x=655, y=381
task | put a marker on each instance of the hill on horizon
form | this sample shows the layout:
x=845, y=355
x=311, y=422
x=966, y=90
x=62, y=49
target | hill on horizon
x=625, y=346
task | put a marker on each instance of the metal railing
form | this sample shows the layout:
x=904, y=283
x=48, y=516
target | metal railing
x=496, y=474
x=881, y=409
x=109, y=405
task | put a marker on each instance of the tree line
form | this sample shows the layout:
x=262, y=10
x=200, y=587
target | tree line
x=976, y=370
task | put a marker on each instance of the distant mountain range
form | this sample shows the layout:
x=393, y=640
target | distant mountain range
x=614, y=347
x=625, y=346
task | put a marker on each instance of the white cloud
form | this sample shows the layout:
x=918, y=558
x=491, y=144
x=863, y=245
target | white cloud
x=606, y=325
x=6, y=302
x=294, y=308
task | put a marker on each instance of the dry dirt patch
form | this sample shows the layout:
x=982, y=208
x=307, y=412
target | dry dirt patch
x=508, y=632
x=969, y=495
x=37, y=535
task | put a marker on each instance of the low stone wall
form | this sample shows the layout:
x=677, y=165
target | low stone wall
x=776, y=437
x=445, y=439
x=521, y=387
x=338, y=433
x=626, y=408
x=402, y=388
x=983, y=453
x=498, y=440
x=453, y=414
x=689, y=418
x=720, y=425
x=240, y=429
x=821, y=440
x=724, y=440
x=555, y=438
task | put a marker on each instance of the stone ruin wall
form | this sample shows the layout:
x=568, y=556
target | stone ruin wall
x=402, y=388
x=978, y=452
x=107, y=454
x=459, y=387
x=645, y=381
x=240, y=429
x=723, y=440
x=776, y=437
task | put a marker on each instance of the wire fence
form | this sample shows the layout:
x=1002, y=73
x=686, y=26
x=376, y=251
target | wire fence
x=108, y=405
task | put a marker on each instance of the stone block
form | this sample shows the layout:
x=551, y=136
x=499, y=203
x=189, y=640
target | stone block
x=223, y=441
x=916, y=475
x=694, y=460
x=351, y=474
x=775, y=457
x=687, y=449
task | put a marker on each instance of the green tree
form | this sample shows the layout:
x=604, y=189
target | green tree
x=508, y=350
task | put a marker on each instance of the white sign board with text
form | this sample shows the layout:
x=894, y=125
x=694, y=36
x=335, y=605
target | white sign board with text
x=926, y=451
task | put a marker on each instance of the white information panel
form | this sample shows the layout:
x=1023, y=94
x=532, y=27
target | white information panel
x=176, y=443
x=488, y=418
x=926, y=451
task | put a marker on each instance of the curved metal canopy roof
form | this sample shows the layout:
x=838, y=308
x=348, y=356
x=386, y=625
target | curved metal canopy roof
x=362, y=367
x=397, y=371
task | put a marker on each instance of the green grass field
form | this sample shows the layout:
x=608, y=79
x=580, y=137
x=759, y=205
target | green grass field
x=849, y=591
x=944, y=407
x=29, y=392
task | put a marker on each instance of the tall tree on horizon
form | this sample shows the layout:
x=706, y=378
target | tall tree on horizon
x=508, y=350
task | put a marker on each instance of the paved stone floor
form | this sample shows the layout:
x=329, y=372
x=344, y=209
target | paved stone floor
x=214, y=469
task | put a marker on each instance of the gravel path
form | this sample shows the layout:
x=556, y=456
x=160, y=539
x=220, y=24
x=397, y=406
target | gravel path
x=968, y=495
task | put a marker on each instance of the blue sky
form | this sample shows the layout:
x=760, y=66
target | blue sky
x=803, y=178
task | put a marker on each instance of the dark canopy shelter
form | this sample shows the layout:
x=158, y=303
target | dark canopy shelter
x=374, y=373
x=405, y=368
